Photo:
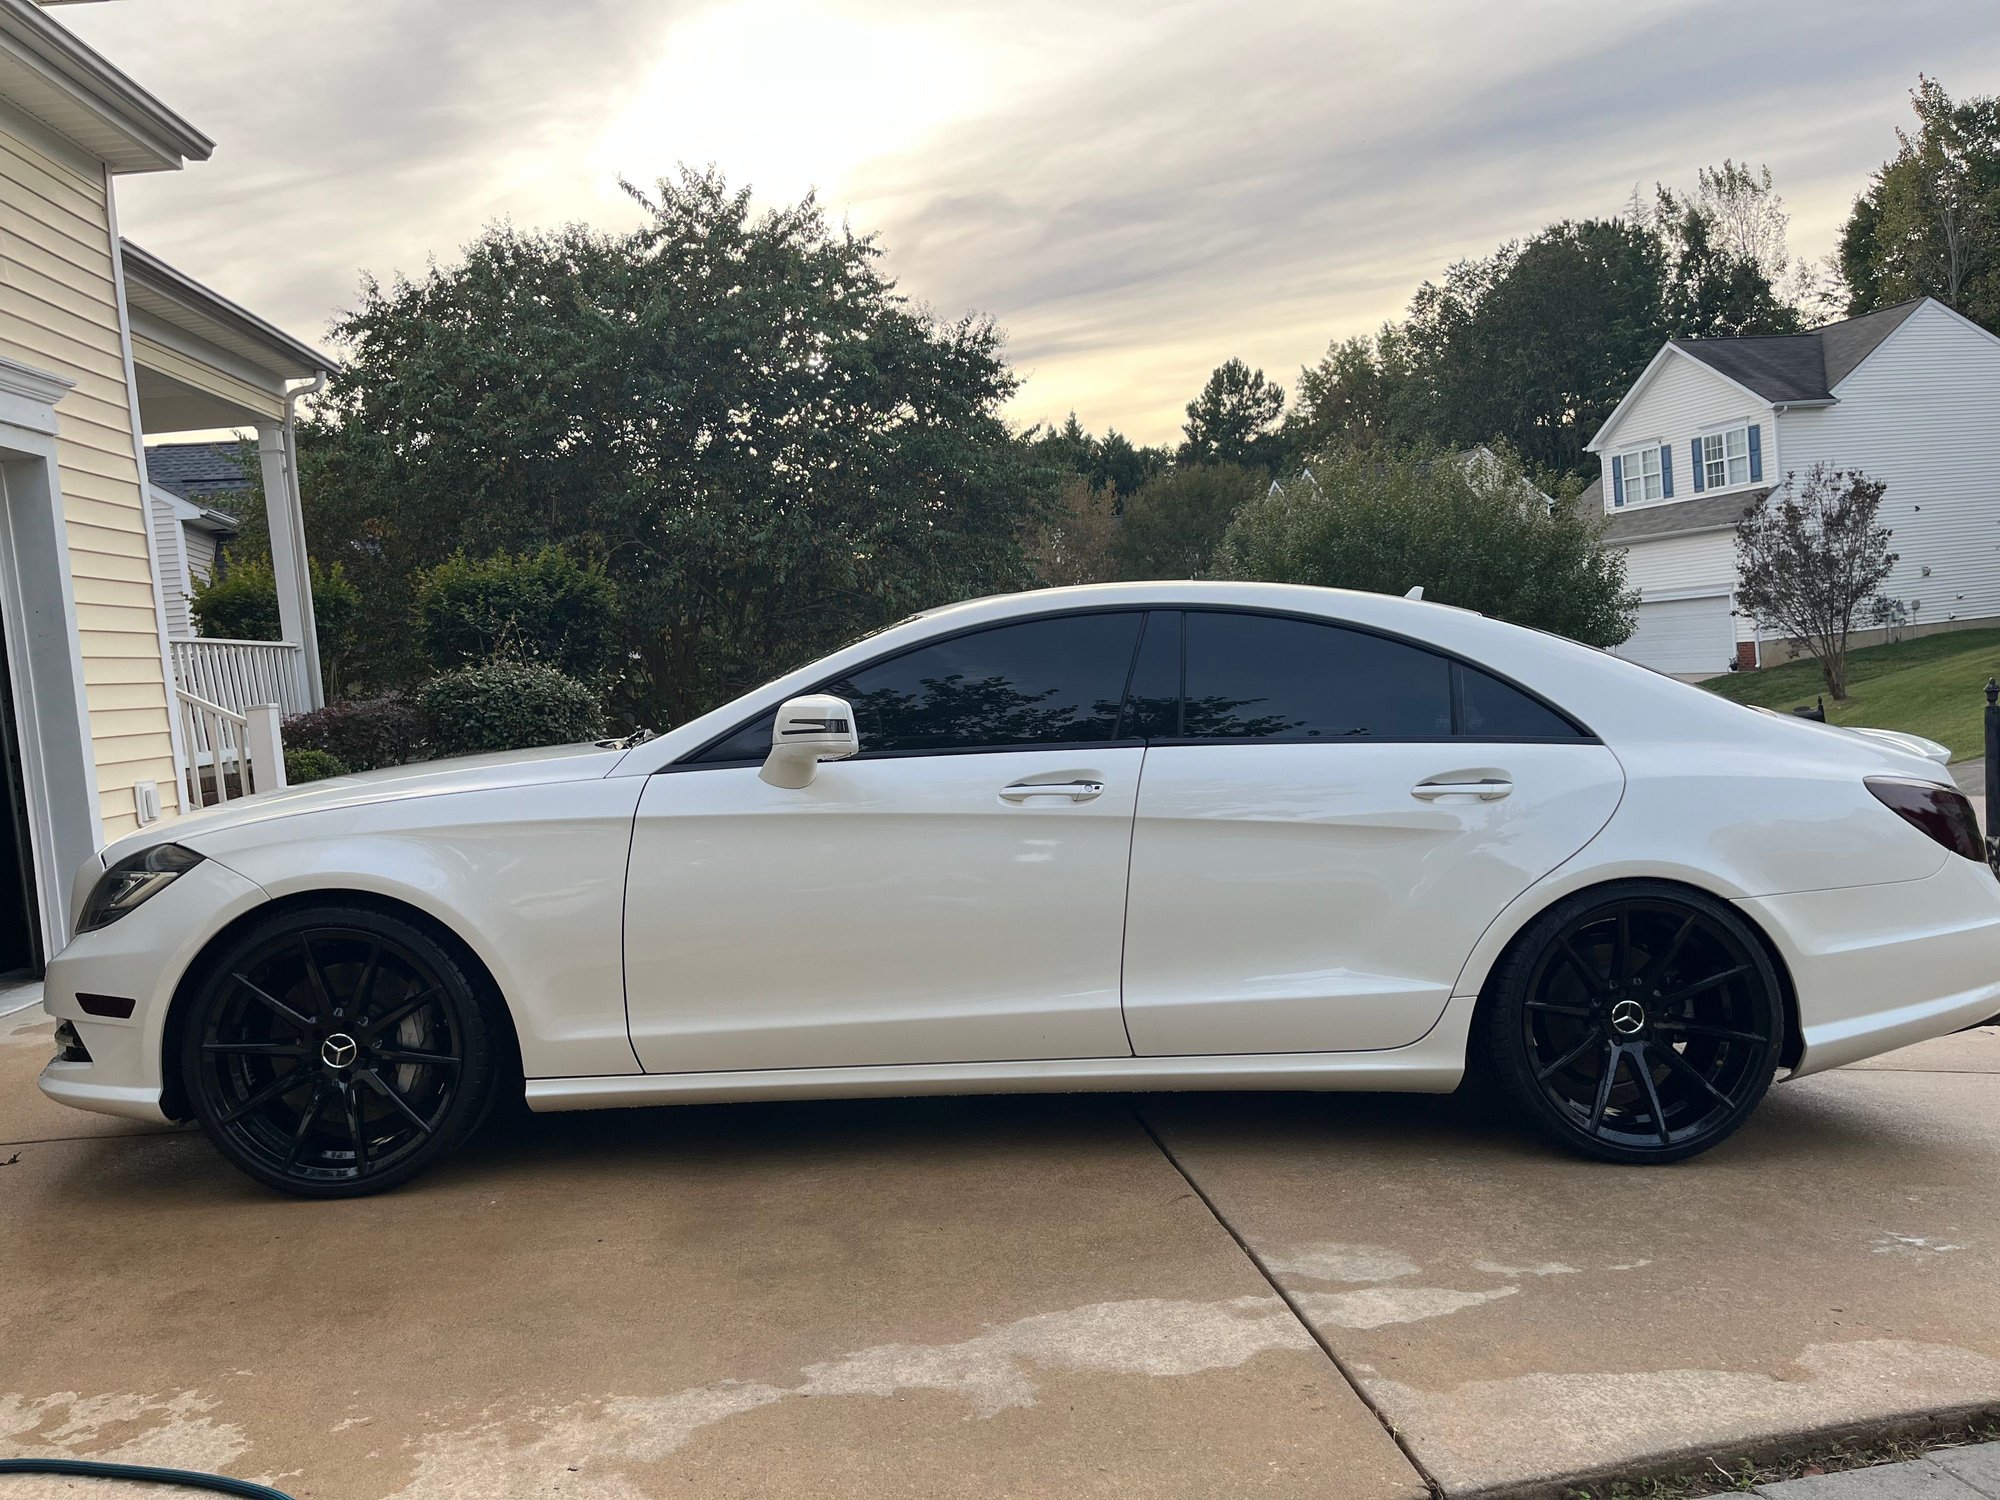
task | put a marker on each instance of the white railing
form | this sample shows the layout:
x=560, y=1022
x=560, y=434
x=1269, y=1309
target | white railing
x=238, y=675
x=222, y=744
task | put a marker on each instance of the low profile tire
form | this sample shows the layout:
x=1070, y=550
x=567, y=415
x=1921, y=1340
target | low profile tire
x=1639, y=1022
x=334, y=1051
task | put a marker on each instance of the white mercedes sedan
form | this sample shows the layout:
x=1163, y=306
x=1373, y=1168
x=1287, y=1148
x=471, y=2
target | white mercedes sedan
x=1136, y=836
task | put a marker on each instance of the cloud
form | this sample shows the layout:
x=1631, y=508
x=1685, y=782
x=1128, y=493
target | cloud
x=1135, y=192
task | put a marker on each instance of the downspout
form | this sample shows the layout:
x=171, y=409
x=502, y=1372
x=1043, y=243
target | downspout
x=309, y=647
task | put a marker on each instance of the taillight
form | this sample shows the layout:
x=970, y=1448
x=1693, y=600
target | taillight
x=1940, y=812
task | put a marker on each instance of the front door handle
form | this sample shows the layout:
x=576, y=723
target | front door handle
x=1486, y=789
x=1076, y=791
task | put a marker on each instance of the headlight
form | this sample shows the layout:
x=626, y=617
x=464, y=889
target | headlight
x=132, y=882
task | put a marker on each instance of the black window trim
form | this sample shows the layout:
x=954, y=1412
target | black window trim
x=1584, y=734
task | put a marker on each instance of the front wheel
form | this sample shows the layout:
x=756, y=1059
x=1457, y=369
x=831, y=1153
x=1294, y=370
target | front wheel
x=1639, y=1022
x=338, y=1050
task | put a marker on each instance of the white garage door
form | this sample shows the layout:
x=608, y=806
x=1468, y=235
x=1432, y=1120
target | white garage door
x=1683, y=635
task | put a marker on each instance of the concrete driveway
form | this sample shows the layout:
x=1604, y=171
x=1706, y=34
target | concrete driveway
x=1090, y=1296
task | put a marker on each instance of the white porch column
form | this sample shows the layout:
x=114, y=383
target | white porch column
x=288, y=554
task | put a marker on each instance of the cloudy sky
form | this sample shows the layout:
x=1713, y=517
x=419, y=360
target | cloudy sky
x=1134, y=191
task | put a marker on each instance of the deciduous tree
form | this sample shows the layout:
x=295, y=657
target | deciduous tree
x=1810, y=557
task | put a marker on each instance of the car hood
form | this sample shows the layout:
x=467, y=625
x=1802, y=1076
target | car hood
x=470, y=773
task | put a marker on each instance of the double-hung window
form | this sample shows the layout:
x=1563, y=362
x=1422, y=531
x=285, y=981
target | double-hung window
x=1725, y=458
x=1643, y=478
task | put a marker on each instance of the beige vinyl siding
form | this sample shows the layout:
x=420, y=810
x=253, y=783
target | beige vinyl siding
x=59, y=312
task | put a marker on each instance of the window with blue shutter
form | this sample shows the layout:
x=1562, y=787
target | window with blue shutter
x=1666, y=472
x=1698, y=467
x=1617, y=479
x=1756, y=451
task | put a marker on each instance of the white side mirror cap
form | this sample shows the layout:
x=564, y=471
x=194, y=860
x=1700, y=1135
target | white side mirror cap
x=808, y=730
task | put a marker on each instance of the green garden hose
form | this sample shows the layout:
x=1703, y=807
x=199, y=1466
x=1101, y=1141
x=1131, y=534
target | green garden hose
x=89, y=1468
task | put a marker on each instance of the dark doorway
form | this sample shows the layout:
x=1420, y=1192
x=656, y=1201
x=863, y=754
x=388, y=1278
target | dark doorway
x=20, y=914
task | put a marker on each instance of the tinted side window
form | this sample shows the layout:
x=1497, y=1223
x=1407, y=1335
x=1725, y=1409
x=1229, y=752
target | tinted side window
x=1489, y=709
x=1041, y=682
x=1153, y=700
x=1260, y=677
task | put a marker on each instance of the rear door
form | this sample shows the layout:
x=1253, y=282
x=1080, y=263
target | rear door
x=1327, y=823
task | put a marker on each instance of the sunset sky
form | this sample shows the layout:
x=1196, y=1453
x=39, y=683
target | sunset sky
x=1135, y=192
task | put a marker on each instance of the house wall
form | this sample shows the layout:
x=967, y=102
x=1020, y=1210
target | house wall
x=1685, y=399
x=169, y=545
x=59, y=313
x=1922, y=413
x=1678, y=566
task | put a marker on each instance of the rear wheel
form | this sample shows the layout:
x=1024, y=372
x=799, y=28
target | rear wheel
x=1639, y=1022
x=335, y=1051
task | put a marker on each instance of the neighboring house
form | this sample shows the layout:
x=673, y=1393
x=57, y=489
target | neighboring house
x=1910, y=394
x=188, y=531
x=101, y=345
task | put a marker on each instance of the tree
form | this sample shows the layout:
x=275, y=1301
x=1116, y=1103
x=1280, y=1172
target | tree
x=1109, y=462
x=240, y=603
x=1810, y=557
x=1231, y=421
x=1170, y=528
x=541, y=606
x=1929, y=222
x=1071, y=540
x=1472, y=532
x=770, y=449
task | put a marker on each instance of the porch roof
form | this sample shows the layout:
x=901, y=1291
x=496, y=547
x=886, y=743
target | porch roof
x=203, y=361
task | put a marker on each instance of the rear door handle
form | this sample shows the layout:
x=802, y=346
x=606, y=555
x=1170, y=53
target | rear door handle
x=1486, y=789
x=1076, y=791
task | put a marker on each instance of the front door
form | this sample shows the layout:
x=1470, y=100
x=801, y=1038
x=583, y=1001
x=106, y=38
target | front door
x=1337, y=819
x=955, y=893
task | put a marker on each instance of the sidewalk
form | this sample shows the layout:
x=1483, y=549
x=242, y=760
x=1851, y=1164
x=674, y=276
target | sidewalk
x=1951, y=1474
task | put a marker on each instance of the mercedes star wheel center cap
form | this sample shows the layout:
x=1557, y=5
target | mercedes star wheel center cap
x=340, y=1049
x=1628, y=1017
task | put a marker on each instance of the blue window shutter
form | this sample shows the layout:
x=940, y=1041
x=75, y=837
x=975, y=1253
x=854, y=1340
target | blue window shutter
x=1756, y=451
x=1666, y=471
x=1700, y=469
x=1617, y=479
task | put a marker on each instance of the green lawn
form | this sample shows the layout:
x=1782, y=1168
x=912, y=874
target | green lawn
x=1929, y=687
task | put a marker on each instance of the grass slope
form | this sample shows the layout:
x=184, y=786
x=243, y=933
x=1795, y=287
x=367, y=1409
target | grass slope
x=1929, y=687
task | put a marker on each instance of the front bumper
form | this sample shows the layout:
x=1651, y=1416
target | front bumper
x=141, y=957
x=1879, y=967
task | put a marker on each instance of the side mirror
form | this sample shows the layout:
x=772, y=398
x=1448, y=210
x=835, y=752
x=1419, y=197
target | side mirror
x=809, y=730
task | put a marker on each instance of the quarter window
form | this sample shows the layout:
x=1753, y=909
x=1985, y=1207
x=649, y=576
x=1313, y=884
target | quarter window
x=1643, y=481
x=1262, y=677
x=1725, y=458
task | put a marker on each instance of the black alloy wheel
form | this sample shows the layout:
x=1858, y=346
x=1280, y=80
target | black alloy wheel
x=1639, y=1022
x=337, y=1051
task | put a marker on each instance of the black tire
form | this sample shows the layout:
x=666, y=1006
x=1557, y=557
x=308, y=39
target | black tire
x=1638, y=1022
x=382, y=1026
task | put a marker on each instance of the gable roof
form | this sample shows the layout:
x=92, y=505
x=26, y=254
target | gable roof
x=48, y=71
x=194, y=471
x=1792, y=368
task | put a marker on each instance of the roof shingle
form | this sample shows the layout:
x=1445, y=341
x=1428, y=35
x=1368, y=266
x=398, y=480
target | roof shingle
x=1794, y=367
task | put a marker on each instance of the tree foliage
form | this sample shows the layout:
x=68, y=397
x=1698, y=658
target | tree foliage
x=1070, y=540
x=1471, y=530
x=1810, y=558
x=1171, y=527
x=507, y=705
x=1234, y=419
x=1929, y=222
x=240, y=603
x=768, y=447
x=538, y=606
x=1112, y=462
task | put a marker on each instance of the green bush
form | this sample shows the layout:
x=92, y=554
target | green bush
x=240, y=604
x=540, y=606
x=508, y=705
x=311, y=765
x=365, y=735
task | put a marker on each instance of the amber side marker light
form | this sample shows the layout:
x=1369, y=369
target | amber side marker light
x=1941, y=813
